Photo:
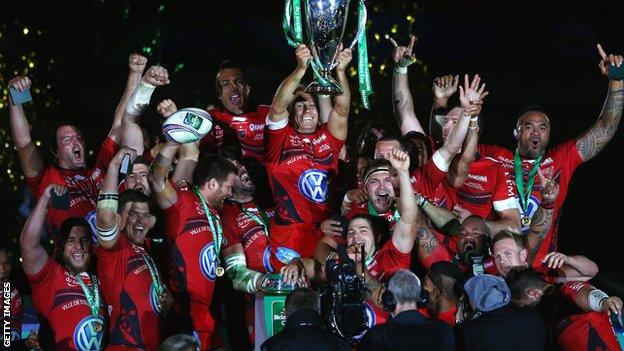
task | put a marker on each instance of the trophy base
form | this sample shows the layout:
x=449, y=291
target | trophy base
x=331, y=87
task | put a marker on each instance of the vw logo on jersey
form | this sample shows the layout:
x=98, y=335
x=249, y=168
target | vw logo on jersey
x=313, y=185
x=285, y=255
x=208, y=261
x=153, y=298
x=266, y=260
x=531, y=209
x=90, y=218
x=89, y=334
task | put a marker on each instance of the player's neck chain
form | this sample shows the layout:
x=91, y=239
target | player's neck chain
x=524, y=193
x=216, y=230
x=92, y=294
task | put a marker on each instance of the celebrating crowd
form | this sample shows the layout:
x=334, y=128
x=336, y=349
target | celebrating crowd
x=162, y=244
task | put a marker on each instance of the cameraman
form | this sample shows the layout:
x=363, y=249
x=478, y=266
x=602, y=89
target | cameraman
x=408, y=329
x=304, y=327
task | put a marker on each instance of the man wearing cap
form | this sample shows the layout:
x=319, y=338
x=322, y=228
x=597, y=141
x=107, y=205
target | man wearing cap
x=496, y=324
x=408, y=329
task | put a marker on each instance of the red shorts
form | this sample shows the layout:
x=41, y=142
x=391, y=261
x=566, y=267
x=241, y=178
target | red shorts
x=293, y=240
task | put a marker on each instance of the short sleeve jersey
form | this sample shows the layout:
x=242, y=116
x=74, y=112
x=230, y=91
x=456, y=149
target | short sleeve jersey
x=194, y=255
x=387, y=261
x=425, y=180
x=128, y=288
x=83, y=186
x=485, y=190
x=58, y=296
x=301, y=168
x=240, y=228
x=559, y=164
x=247, y=128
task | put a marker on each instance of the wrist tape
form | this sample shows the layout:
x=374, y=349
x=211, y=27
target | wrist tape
x=140, y=98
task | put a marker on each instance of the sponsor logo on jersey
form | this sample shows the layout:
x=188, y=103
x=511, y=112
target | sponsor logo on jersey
x=478, y=178
x=256, y=127
x=89, y=334
x=313, y=185
x=285, y=255
x=90, y=218
x=208, y=261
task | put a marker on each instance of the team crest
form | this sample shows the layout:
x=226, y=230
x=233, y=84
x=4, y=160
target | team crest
x=313, y=185
x=208, y=261
x=89, y=334
x=241, y=134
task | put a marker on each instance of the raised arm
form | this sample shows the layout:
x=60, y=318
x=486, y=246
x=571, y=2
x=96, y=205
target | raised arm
x=34, y=255
x=338, y=117
x=571, y=268
x=590, y=298
x=106, y=217
x=542, y=219
x=471, y=96
x=30, y=158
x=325, y=107
x=285, y=92
x=443, y=88
x=403, y=235
x=592, y=141
x=163, y=191
x=136, y=63
x=402, y=102
x=132, y=134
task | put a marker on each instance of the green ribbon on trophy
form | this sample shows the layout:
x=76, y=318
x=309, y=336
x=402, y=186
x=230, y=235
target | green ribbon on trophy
x=333, y=14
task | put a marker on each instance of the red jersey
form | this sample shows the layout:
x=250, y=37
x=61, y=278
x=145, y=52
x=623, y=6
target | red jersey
x=128, y=288
x=449, y=316
x=240, y=228
x=301, y=167
x=426, y=179
x=57, y=296
x=575, y=329
x=387, y=261
x=194, y=258
x=246, y=129
x=83, y=186
x=485, y=190
x=559, y=164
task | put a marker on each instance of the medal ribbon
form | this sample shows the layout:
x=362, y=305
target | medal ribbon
x=525, y=193
x=153, y=273
x=261, y=220
x=215, y=227
x=372, y=210
x=363, y=73
x=91, y=294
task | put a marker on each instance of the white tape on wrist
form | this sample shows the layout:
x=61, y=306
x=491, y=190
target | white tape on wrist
x=140, y=98
x=400, y=70
x=595, y=299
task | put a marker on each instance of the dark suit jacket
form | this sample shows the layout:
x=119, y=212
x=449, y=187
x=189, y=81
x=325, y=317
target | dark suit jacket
x=508, y=328
x=304, y=331
x=409, y=330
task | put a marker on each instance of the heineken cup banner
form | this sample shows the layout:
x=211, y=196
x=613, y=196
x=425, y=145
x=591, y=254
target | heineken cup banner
x=325, y=22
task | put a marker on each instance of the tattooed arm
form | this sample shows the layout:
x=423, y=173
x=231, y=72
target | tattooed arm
x=592, y=141
x=430, y=249
x=402, y=102
x=542, y=219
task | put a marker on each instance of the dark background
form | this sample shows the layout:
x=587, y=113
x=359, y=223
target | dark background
x=526, y=53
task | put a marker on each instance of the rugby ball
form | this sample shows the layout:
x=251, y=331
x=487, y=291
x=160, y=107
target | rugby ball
x=187, y=125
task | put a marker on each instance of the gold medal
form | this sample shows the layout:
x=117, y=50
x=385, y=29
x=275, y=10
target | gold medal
x=220, y=271
x=526, y=221
x=97, y=327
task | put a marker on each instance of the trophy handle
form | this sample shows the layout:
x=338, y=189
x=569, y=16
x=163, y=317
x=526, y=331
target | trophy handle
x=361, y=27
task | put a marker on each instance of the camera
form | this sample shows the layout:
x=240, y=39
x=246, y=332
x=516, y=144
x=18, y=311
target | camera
x=343, y=298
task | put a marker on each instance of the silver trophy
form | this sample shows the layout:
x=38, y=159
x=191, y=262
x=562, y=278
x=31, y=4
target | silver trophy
x=324, y=22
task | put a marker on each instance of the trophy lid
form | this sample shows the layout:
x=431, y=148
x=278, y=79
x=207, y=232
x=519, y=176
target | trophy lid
x=273, y=283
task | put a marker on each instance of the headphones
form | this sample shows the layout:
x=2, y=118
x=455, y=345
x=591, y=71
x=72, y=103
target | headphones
x=389, y=302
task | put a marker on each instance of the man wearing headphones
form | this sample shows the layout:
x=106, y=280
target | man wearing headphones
x=408, y=329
